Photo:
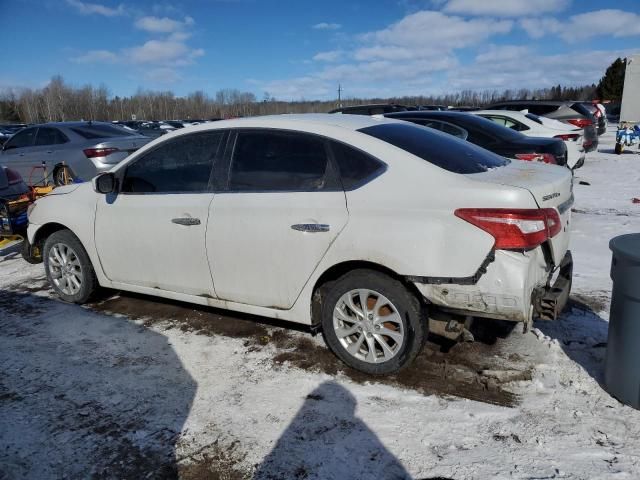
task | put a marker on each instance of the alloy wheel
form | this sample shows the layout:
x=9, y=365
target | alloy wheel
x=368, y=326
x=65, y=269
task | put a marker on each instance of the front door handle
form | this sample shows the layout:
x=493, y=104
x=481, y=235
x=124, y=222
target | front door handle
x=188, y=221
x=311, y=227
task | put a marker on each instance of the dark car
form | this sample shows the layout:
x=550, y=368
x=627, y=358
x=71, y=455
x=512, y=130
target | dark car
x=574, y=113
x=599, y=115
x=489, y=135
x=12, y=187
x=373, y=109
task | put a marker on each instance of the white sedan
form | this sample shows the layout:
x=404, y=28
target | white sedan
x=355, y=226
x=535, y=126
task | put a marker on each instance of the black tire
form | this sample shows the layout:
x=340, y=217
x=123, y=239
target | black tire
x=619, y=148
x=58, y=175
x=89, y=283
x=411, y=314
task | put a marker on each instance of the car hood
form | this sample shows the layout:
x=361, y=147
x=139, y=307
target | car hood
x=64, y=189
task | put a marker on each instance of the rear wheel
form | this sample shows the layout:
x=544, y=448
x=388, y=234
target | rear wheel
x=68, y=267
x=619, y=148
x=372, y=322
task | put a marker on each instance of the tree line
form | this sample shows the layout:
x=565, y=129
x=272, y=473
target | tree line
x=59, y=101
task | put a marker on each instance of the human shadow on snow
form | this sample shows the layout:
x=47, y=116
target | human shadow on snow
x=85, y=395
x=326, y=440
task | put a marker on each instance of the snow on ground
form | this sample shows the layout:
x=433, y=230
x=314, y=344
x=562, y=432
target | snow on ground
x=133, y=387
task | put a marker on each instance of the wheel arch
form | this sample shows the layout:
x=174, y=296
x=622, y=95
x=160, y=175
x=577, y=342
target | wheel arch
x=45, y=232
x=339, y=269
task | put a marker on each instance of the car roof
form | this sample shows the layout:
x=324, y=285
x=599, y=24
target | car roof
x=70, y=124
x=349, y=122
x=428, y=113
x=513, y=113
x=543, y=102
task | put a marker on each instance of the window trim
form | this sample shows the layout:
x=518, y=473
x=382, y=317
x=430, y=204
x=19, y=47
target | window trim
x=332, y=172
x=122, y=172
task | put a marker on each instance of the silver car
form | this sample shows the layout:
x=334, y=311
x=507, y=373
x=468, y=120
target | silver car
x=86, y=148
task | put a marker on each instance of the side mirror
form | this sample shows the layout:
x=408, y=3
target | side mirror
x=104, y=183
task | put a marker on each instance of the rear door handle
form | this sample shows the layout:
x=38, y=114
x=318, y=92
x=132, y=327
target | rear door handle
x=311, y=227
x=188, y=221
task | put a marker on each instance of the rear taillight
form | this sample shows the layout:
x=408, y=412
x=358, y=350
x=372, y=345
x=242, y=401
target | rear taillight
x=580, y=122
x=12, y=176
x=99, y=152
x=568, y=136
x=537, y=157
x=514, y=229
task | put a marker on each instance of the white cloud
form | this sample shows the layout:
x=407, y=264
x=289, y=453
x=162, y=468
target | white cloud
x=607, y=22
x=402, y=57
x=97, y=56
x=163, y=75
x=86, y=8
x=327, y=26
x=162, y=25
x=517, y=67
x=330, y=56
x=434, y=30
x=504, y=8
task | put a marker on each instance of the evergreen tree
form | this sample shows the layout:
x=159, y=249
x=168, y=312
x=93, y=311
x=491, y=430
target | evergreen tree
x=610, y=86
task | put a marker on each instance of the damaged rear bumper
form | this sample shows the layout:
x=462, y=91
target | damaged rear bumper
x=516, y=286
x=550, y=300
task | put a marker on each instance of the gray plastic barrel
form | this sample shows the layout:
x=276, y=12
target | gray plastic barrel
x=622, y=369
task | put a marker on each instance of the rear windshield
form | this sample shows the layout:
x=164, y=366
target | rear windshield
x=440, y=149
x=101, y=131
x=580, y=108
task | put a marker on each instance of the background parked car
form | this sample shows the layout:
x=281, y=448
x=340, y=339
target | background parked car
x=372, y=109
x=86, y=148
x=533, y=126
x=599, y=113
x=567, y=112
x=487, y=134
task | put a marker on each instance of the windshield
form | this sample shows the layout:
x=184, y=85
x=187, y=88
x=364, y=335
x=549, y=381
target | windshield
x=440, y=149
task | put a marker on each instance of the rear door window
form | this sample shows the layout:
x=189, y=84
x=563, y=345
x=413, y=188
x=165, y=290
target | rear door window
x=180, y=165
x=95, y=131
x=440, y=149
x=50, y=136
x=356, y=167
x=24, y=138
x=272, y=160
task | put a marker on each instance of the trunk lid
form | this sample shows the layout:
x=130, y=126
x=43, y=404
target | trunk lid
x=551, y=186
x=126, y=146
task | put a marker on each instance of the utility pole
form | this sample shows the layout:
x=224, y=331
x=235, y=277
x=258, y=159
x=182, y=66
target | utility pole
x=339, y=96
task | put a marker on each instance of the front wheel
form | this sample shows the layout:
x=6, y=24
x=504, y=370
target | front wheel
x=68, y=267
x=619, y=148
x=372, y=322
